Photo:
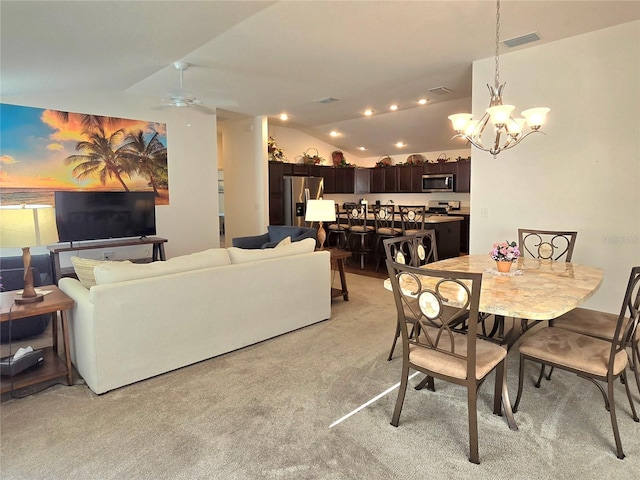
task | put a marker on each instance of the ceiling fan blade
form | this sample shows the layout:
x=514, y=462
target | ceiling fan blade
x=201, y=108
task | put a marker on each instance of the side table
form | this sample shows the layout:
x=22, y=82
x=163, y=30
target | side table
x=53, y=366
x=337, y=262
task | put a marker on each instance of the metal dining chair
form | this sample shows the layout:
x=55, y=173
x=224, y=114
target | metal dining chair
x=554, y=245
x=412, y=218
x=595, y=359
x=359, y=230
x=436, y=351
x=339, y=228
x=385, y=227
x=415, y=250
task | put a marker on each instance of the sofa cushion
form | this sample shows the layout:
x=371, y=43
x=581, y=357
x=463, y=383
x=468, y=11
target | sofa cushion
x=242, y=255
x=112, y=273
x=84, y=268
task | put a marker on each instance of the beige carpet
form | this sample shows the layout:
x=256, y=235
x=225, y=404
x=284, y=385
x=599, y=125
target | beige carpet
x=264, y=413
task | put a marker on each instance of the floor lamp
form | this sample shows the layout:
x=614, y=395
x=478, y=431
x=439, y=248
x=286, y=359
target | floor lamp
x=321, y=211
x=25, y=226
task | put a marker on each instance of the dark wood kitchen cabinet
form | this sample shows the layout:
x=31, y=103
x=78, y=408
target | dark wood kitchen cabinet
x=409, y=178
x=276, y=193
x=345, y=180
x=463, y=176
x=384, y=180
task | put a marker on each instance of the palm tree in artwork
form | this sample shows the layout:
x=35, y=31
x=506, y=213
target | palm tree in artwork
x=103, y=157
x=149, y=157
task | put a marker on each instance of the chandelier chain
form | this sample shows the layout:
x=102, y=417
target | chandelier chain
x=497, y=76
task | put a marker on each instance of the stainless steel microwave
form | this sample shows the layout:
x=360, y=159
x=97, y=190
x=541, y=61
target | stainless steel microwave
x=442, y=182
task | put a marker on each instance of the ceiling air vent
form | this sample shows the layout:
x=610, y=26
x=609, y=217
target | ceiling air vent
x=326, y=100
x=521, y=40
x=440, y=90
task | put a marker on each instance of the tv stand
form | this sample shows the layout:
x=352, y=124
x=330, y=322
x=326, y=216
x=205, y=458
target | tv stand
x=56, y=250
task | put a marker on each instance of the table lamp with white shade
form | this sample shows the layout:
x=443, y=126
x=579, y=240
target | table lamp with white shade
x=321, y=211
x=25, y=226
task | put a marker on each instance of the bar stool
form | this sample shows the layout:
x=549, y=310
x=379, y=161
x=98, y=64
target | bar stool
x=339, y=228
x=385, y=227
x=358, y=228
x=412, y=218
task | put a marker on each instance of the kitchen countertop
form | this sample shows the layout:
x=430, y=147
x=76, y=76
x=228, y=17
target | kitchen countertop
x=442, y=219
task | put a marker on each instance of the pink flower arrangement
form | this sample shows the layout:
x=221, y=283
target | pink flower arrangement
x=505, y=252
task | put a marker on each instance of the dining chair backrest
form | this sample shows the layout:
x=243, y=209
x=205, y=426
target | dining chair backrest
x=546, y=244
x=385, y=218
x=412, y=218
x=356, y=215
x=433, y=289
x=341, y=221
x=400, y=249
x=426, y=248
x=627, y=327
x=414, y=250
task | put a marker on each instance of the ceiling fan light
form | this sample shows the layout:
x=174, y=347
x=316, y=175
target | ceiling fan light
x=535, y=117
x=500, y=113
x=460, y=121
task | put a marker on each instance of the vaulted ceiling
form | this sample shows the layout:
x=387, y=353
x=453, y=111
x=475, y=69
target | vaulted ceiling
x=252, y=58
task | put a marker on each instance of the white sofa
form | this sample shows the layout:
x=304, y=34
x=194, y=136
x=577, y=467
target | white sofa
x=141, y=320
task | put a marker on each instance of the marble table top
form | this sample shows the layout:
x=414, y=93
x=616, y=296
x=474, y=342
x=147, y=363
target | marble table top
x=534, y=290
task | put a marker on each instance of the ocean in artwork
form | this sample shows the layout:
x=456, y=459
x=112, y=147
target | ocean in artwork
x=44, y=196
x=28, y=196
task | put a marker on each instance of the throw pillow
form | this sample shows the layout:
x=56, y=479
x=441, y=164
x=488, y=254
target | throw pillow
x=84, y=268
x=243, y=255
x=284, y=241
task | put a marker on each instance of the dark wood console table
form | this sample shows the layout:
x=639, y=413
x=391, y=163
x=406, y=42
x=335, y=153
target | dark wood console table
x=56, y=250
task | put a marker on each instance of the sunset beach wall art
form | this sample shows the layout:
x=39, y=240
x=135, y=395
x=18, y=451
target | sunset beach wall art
x=43, y=151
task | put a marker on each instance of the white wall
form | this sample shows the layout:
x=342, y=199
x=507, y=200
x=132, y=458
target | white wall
x=190, y=221
x=584, y=174
x=246, y=177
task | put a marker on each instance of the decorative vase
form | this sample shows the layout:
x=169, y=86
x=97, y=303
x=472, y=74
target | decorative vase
x=503, y=267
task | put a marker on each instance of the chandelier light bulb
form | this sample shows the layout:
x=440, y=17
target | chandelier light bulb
x=471, y=127
x=535, y=116
x=460, y=121
x=500, y=114
x=515, y=126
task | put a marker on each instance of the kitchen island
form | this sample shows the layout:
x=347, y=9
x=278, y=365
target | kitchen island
x=447, y=229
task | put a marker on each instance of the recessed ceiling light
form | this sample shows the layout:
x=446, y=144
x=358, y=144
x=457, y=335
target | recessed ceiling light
x=401, y=144
x=284, y=116
x=334, y=133
x=368, y=113
x=362, y=149
x=393, y=108
x=422, y=101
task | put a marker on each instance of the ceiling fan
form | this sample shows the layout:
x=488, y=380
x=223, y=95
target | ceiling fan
x=180, y=98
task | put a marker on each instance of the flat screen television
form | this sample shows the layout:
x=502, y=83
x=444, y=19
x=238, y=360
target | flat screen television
x=103, y=215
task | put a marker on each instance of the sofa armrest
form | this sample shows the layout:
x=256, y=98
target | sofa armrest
x=250, y=242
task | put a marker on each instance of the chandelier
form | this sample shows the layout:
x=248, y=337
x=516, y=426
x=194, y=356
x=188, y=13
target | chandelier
x=509, y=131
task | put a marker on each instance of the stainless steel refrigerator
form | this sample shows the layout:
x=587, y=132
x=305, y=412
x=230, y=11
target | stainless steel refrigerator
x=297, y=190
